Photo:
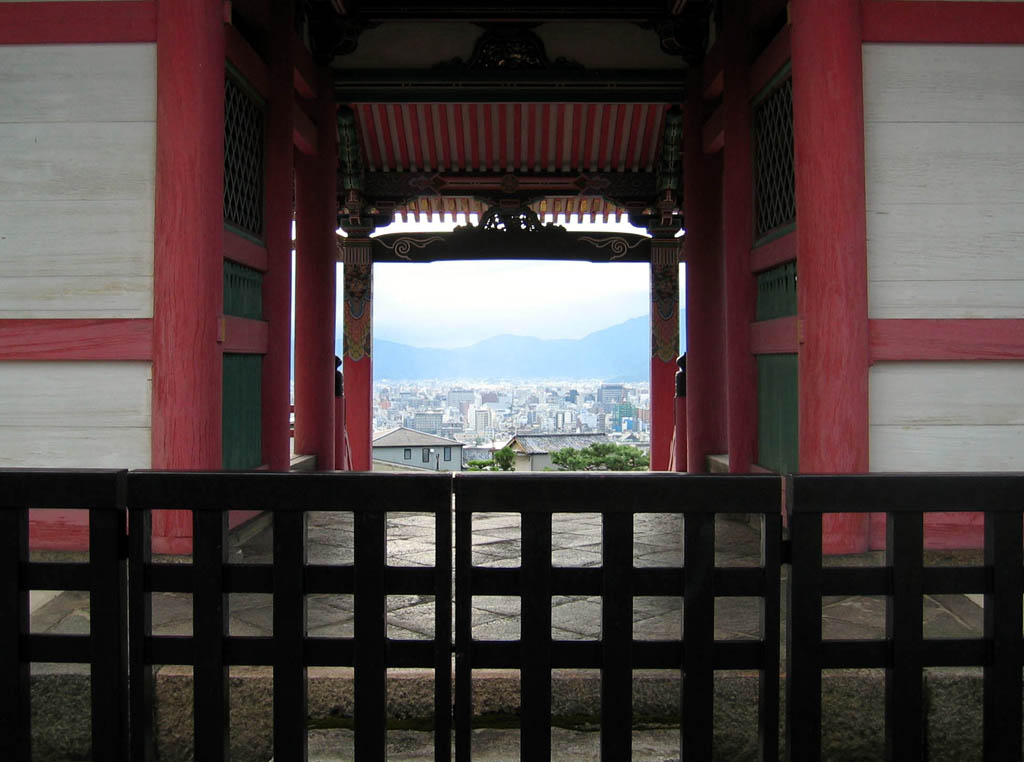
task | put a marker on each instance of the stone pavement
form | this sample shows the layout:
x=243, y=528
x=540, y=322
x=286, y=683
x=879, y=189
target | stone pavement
x=496, y=542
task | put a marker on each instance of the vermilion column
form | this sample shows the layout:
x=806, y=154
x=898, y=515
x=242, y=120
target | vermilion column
x=187, y=255
x=702, y=198
x=664, y=347
x=737, y=237
x=277, y=279
x=358, y=348
x=828, y=130
x=316, y=257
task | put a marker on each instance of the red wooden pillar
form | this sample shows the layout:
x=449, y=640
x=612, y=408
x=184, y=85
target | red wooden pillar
x=664, y=347
x=358, y=349
x=828, y=129
x=705, y=398
x=188, y=249
x=737, y=235
x=315, y=266
x=277, y=280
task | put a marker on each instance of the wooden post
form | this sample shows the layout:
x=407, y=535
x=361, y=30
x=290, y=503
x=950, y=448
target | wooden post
x=664, y=347
x=358, y=348
x=187, y=255
x=737, y=229
x=705, y=330
x=828, y=129
x=278, y=279
x=315, y=266
x=679, y=440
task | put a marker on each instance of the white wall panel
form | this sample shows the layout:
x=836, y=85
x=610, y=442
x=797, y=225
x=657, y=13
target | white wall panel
x=77, y=180
x=77, y=83
x=947, y=416
x=944, y=83
x=944, y=163
x=75, y=414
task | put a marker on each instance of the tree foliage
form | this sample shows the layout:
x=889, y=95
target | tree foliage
x=602, y=456
x=502, y=460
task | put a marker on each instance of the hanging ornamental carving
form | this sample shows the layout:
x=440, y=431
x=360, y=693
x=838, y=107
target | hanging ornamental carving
x=519, y=220
x=509, y=48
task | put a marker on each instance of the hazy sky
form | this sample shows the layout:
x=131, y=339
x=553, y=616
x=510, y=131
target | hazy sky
x=455, y=304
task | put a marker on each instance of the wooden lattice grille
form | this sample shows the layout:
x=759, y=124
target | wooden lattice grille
x=776, y=292
x=243, y=291
x=244, y=139
x=774, y=184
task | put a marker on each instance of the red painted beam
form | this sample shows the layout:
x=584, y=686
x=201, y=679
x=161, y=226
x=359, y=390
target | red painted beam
x=189, y=237
x=305, y=75
x=773, y=337
x=240, y=249
x=737, y=213
x=895, y=340
x=776, y=252
x=76, y=339
x=243, y=336
x=246, y=60
x=705, y=329
x=828, y=128
x=770, y=62
x=304, y=132
x=943, y=22
x=76, y=22
x=278, y=279
x=315, y=266
x=712, y=80
x=713, y=133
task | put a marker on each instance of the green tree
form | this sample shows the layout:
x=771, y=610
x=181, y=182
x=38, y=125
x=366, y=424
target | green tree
x=505, y=459
x=602, y=456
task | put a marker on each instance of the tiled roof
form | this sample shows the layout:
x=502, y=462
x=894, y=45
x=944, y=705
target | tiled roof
x=403, y=437
x=538, y=444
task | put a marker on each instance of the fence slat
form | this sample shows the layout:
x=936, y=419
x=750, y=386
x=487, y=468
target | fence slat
x=696, y=729
x=108, y=631
x=370, y=636
x=616, y=636
x=463, y=635
x=1001, y=724
x=535, y=652
x=443, y=632
x=141, y=695
x=803, y=645
x=768, y=691
x=904, y=690
x=15, y=702
x=209, y=628
x=289, y=633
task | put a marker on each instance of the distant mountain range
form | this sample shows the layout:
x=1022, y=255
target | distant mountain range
x=619, y=353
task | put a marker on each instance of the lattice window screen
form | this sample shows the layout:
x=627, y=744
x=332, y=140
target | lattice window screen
x=774, y=185
x=243, y=159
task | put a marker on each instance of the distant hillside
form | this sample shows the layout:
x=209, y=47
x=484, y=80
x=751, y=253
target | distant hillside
x=621, y=352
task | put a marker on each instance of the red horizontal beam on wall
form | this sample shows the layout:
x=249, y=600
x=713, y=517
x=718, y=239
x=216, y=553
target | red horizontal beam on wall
x=946, y=340
x=246, y=60
x=243, y=336
x=782, y=249
x=304, y=132
x=712, y=76
x=768, y=64
x=713, y=133
x=305, y=75
x=942, y=22
x=775, y=337
x=240, y=249
x=78, y=339
x=67, y=23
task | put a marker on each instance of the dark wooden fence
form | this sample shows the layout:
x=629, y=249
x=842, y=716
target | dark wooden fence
x=120, y=575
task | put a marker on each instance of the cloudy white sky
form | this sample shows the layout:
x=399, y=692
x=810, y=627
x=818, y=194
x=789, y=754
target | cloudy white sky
x=455, y=304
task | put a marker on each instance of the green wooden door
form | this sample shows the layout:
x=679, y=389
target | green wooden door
x=777, y=413
x=242, y=411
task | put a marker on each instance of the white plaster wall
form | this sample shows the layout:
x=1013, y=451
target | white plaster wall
x=944, y=145
x=947, y=416
x=75, y=414
x=77, y=179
